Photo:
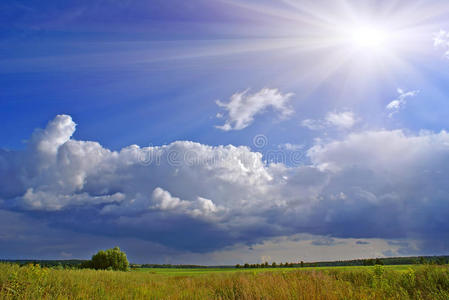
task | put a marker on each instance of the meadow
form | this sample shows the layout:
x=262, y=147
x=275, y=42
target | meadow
x=374, y=282
x=211, y=271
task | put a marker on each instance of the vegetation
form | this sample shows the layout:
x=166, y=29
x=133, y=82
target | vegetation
x=65, y=264
x=439, y=260
x=212, y=271
x=371, y=282
x=111, y=259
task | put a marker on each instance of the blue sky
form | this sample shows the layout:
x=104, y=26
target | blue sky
x=348, y=98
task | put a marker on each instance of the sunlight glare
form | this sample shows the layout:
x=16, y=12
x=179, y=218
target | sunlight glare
x=369, y=37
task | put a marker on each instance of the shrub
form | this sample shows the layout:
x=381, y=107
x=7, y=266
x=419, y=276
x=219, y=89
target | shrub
x=111, y=259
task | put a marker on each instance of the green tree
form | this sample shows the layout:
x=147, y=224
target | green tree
x=378, y=261
x=369, y=262
x=111, y=259
x=441, y=261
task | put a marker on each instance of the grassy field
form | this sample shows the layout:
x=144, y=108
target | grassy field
x=209, y=271
x=390, y=282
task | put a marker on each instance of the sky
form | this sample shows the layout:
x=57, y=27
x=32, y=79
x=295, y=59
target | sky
x=224, y=131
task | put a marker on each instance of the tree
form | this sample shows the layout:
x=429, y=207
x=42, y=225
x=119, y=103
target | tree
x=369, y=262
x=378, y=262
x=111, y=259
x=441, y=261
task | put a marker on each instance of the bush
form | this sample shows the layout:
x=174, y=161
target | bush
x=111, y=259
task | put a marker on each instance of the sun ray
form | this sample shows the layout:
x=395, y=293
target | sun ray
x=313, y=44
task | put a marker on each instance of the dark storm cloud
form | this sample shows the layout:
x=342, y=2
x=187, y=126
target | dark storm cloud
x=190, y=197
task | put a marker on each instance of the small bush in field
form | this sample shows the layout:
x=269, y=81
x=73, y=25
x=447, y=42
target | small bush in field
x=111, y=259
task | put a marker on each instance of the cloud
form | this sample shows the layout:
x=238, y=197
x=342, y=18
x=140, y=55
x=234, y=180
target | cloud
x=165, y=201
x=441, y=40
x=343, y=120
x=313, y=124
x=340, y=121
x=396, y=105
x=243, y=107
x=201, y=207
x=25, y=237
x=362, y=243
x=390, y=180
x=370, y=184
x=325, y=241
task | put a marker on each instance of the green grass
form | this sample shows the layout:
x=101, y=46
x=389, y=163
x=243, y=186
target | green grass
x=390, y=282
x=209, y=271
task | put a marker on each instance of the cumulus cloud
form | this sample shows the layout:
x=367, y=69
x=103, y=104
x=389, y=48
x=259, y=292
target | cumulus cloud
x=337, y=120
x=396, y=105
x=370, y=184
x=243, y=107
x=441, y=40
x=165, y=201
x=389, y=179
x=201, y=207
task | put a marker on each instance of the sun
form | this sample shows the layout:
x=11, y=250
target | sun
x=369, y=37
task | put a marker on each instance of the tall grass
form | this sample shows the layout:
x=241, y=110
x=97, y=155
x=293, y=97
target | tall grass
x=33, y=282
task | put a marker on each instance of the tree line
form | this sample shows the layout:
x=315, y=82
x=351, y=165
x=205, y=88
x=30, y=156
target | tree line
x=272, y=265
x=434, y=260
x=115, y=259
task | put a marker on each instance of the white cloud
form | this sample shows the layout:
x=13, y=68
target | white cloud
x=313, y=124
x=202, y=207
x=165, y=201
x=355, y=187
x=441, y=40
x=337, y=120
x=205, y=207
x=56, y=134
x=243, y=107
x=66, y=172
x=396, y=105
x=388, y=151
x=343, y=120
x=51, y=201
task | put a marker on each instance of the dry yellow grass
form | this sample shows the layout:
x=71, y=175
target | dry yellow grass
x=33, y=282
